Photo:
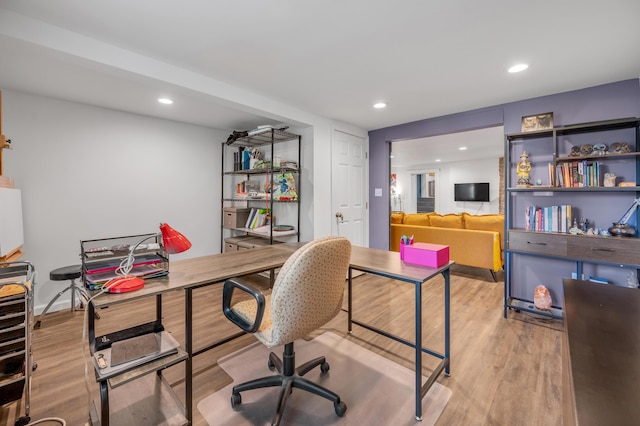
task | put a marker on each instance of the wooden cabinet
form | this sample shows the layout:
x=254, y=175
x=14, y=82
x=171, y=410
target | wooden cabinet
x=566, y=170
x=601, y=373
x=261, y=176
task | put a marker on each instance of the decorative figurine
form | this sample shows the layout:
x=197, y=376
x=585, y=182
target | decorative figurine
x=542, y=298
x=610, y=180
x=575, y=151
x=524, y=168
x=574, y=230
x=620, y=147
x=586, y=149
x=599, y=149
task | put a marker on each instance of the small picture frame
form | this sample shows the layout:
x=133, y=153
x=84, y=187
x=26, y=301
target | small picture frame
x=531, y=123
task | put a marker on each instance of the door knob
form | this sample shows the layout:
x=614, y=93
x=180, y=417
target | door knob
x=339, y=216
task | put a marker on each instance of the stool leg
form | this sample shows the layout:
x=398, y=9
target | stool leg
x=73, y=295
x=46, y=309
x=84, y=296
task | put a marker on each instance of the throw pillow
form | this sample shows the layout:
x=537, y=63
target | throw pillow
x=447, y=221
x=418, y=219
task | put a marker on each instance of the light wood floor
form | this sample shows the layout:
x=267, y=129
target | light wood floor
x=503, y=371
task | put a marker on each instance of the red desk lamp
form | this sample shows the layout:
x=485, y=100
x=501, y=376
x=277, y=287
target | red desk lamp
x=173, y=241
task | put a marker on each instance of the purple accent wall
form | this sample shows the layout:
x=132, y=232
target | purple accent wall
x=609, y=101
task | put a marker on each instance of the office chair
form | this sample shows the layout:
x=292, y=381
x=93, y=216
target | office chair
x=306, y=295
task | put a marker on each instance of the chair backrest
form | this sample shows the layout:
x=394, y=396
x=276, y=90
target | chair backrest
x=309, y=288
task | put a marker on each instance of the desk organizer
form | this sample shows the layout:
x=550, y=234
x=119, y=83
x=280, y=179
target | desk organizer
x=425, y=254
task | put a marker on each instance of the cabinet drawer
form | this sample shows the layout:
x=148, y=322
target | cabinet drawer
x=620, y=250
x=538, y=242
x=230, y=247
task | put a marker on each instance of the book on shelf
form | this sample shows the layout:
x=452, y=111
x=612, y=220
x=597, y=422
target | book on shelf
x=548, y=219
x=575, y=174
x=257, y=218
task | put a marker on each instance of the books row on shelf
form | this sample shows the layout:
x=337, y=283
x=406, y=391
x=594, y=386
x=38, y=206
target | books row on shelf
x=575, y=174
x=258, y=218
x=549, y=219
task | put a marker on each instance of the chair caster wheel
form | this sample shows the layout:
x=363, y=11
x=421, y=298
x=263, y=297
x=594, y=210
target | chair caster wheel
x=340, y=408
x=324, y=367
x=236, y=399
x=271, y=365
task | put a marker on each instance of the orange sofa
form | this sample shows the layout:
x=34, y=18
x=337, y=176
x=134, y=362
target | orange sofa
x=473, y=240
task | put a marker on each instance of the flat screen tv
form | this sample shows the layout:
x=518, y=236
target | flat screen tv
x=471, y=191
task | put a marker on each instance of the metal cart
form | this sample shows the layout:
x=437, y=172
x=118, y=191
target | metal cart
x=17, y=282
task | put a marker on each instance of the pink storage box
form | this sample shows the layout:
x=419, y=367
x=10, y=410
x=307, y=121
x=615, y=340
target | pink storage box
x=425, y=254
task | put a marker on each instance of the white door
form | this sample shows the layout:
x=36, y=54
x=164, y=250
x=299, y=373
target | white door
x=349, y=186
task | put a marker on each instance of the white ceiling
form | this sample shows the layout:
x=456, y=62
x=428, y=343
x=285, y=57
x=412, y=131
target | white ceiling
x=331, y=58
x=480, y=144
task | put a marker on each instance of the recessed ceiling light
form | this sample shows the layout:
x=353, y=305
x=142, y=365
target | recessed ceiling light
x=391, y=156
x=518, y=68
x=462, y=148
x=438, y=160
x=165, y=101
x=379, y=105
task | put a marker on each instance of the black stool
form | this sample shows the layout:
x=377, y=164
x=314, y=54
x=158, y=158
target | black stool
x=62, y=274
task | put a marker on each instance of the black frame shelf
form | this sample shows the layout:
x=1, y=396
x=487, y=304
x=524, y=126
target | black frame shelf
x=265, y=138
x=551, y=140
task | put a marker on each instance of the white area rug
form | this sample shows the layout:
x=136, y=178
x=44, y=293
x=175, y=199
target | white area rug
x=377, y=391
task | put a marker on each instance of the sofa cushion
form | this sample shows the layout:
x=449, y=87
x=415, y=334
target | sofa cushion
x=397, y=217
x=419, y=219
x=447, y=221
x=485, y=222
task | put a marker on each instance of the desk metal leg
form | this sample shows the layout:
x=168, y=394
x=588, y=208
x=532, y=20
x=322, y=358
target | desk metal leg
x=418, y=347
x=188, y=379
x=349, y=290
x=447, y=316
x=104, y=403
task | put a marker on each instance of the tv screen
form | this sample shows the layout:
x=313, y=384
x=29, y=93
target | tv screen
x=471, y=191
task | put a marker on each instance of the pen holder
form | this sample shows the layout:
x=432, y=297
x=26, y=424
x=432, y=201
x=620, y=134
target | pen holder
x=401, y=250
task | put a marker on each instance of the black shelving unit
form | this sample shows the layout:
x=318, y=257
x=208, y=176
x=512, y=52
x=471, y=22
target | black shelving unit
x=550, y=148
x=233, y=171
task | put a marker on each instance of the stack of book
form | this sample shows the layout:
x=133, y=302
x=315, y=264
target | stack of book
x=258, y=218
x=575, y=174
x=549, y=219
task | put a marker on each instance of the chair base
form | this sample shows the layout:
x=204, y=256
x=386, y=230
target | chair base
x=289, y=378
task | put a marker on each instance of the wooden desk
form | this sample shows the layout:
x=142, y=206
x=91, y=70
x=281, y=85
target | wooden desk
x=191, y=274
x=388, y=264
x=601, y=350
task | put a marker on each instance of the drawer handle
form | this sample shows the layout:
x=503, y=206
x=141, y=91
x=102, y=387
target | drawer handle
x=602, y=249
x=539, y=244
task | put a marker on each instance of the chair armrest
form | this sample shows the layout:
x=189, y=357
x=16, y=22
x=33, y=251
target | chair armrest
x=227, y=294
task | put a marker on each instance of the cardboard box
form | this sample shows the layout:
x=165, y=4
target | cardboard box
x=235, y=217
x=425, y=254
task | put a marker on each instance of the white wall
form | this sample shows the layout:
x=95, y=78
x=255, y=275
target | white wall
x=88, y=172
x=480, y=170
